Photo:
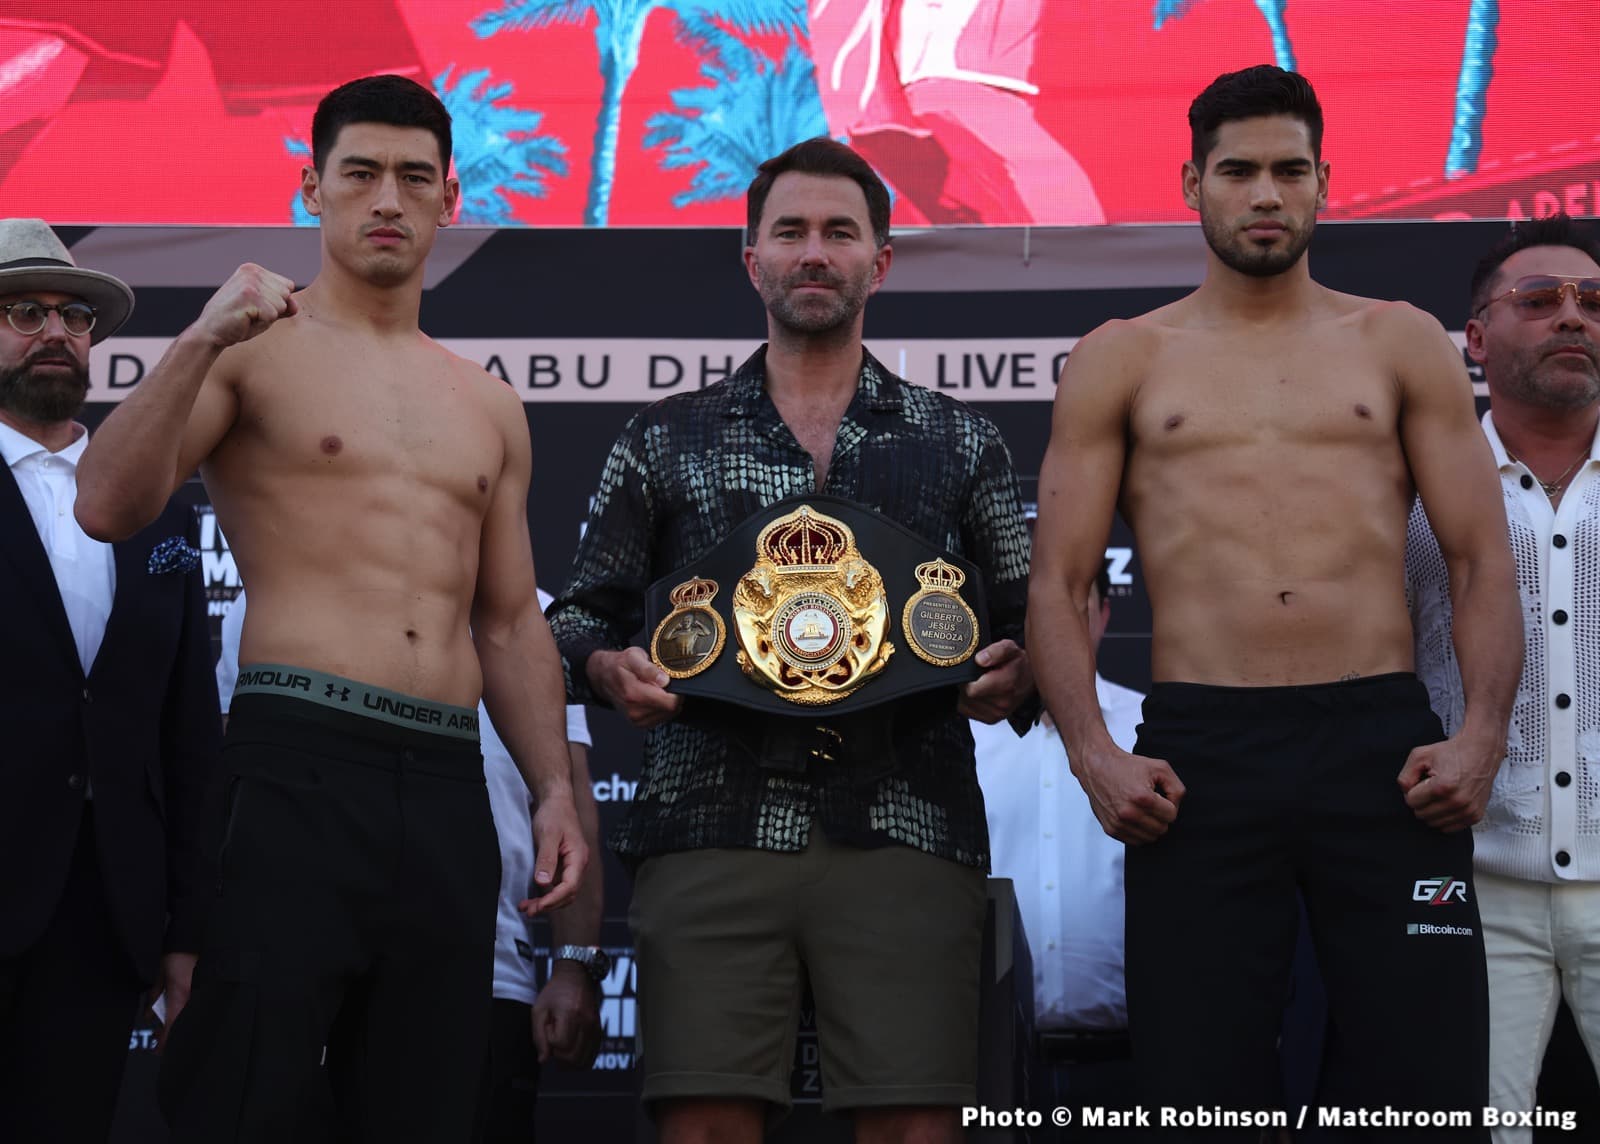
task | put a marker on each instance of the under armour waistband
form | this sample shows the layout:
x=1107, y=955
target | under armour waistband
x=358, y=698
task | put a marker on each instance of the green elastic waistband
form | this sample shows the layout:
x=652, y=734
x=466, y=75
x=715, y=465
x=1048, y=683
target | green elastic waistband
x=358, y=698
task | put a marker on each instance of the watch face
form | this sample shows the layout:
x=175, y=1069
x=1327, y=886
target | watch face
x=600, y=965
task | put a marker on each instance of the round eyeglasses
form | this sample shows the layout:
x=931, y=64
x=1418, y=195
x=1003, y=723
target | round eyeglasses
x=28, y=318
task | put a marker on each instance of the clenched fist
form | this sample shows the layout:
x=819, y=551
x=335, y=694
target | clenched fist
x=247, y=304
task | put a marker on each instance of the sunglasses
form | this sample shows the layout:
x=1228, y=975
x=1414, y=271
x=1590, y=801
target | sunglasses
x=77, y=318
x=1540, y=295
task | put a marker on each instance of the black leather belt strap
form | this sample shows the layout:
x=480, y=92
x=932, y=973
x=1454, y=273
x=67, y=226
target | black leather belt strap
x=889, y=547
x=863, y=746
x=869, y=744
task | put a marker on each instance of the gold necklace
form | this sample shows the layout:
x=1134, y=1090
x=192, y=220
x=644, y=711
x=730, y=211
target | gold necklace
x=1552, y=489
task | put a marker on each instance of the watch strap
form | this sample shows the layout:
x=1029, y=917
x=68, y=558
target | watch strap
x=591, y=957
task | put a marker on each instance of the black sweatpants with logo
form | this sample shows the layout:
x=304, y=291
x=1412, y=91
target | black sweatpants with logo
x=1295, y=788
x=345, y=982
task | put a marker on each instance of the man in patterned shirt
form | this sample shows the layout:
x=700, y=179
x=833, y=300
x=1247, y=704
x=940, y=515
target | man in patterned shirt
x=863, y=868
x=1537, y=854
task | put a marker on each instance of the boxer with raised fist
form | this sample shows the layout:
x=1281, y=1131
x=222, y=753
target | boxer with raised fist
x=374, y=489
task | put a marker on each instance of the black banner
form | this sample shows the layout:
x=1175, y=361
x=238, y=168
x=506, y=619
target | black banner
x=589, y=324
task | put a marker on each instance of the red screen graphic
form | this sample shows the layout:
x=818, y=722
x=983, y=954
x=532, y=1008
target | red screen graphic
x=976, y=111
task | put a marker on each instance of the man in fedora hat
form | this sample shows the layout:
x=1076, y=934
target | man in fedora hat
x=109, y=712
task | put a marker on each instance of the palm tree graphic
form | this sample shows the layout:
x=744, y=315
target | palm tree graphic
x=1472, y=89
x=754, y=108
x=1472, y=83
x=619, y=29
x=1271, y=10
x=499, y=150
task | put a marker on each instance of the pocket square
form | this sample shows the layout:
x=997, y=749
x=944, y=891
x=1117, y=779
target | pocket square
x=173, y=555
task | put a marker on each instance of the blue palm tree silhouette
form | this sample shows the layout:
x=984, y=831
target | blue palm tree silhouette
x=1472, y=83
x=1271, y=11
x=755, y=108
x=1282, y=49
x=1472, y=89
x=499, y=150
x=619, y=29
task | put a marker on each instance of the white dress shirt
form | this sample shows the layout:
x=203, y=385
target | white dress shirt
x=228, y=661
x=509, y=801
x=1068, y=872
x=1543, y=821
x=84, y=568
x=513, y=822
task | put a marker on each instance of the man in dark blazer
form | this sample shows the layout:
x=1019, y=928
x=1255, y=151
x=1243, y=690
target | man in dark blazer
x=109, y=727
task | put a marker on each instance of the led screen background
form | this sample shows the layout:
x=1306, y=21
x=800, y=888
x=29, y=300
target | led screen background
x=977, y=111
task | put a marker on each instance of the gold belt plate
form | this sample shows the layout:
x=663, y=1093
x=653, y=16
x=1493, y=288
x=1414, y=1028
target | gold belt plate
x=811, y=616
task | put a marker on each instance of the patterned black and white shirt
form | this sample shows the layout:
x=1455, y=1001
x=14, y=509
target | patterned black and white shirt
x=1543, y=819
x=684, y=473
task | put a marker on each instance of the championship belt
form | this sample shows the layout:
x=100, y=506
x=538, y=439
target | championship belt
x=832, y=607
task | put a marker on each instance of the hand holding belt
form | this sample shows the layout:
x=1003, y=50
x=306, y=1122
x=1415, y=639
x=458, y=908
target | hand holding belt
x=824, y=597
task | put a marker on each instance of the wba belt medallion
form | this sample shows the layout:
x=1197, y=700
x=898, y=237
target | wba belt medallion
x=690, y=638
x=811, y=615
x=812, y=622
x=938, y=624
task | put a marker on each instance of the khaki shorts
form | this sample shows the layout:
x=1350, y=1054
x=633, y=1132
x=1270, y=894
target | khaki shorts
x=889, y=938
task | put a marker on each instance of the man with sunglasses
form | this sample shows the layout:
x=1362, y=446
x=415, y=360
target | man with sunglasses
x=1535, y=330
x=110, y=722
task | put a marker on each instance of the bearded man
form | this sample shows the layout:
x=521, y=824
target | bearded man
x=1265, y=437
x=847, y=849
x=1537, y=850
x=111, y=723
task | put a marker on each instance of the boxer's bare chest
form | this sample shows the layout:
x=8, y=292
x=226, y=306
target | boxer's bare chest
x=407, y=416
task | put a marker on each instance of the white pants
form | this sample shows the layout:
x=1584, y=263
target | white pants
x=1542, y=941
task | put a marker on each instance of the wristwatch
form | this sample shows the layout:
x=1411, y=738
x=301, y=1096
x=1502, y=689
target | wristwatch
x=596, y=962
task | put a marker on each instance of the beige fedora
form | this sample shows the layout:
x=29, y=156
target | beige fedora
x=32, y=258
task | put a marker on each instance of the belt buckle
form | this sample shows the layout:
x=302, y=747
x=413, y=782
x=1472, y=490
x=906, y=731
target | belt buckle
x=823, y=752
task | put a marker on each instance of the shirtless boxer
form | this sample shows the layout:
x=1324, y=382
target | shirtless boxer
x=1263, y=437
x=374, y=489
